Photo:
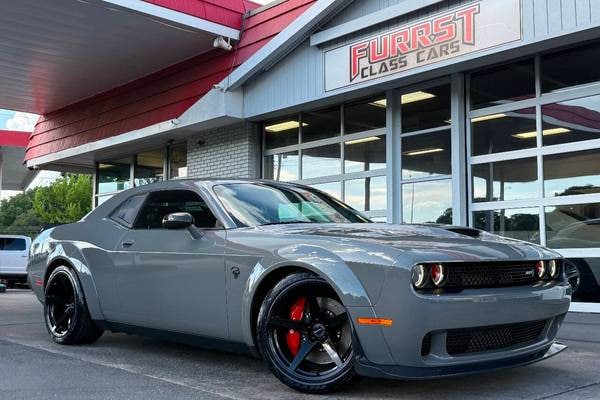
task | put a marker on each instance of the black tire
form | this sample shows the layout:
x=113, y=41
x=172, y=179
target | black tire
x=322, y=360
x=580, y=278
x=65, y=310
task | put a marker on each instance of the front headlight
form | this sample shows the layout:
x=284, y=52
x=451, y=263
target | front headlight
x=553, y=268
x=540, y=269
x=419, y=276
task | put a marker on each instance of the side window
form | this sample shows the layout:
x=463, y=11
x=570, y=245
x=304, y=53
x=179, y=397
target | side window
x=160, y=204
x=13, y=244
x=127, y=211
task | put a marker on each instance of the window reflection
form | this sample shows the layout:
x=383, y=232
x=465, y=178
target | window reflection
x=505, y=180
x=364, y=116
x=369, y=194
x=282, y=167
x=517, y=223
x=509, y=131
x=573, y=226
x=427, y=202
x=425, y=109
x=572, y=173
x=321, y=161
x=426, y=154
x=364, y=154
x=570, y=68
x=503, y=84
x=149, y=167
x=283, y=132
x=114, y=175
x=321, y=124
x=178, y=162
x=332, y=188
x=571, y=121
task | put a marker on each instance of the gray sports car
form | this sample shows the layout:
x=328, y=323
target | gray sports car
x=291, y=274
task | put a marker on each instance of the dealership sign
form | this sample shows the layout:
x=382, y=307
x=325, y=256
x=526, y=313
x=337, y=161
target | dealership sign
x=443, y=36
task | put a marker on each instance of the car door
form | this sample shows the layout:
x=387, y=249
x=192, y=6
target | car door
x=170, y=279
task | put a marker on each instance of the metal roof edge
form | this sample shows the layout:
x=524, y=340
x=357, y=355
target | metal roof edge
x=285, y=41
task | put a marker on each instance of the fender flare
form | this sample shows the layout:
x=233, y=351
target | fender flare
x=312, y=258
x=69, y=254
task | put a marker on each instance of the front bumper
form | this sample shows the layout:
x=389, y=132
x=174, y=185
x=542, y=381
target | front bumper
x=396, y=351
x=365, y=368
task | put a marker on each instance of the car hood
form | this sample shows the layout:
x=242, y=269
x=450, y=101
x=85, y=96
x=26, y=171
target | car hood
x=430, y=241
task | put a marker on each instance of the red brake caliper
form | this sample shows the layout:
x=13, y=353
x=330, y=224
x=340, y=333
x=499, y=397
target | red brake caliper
x=293, y=337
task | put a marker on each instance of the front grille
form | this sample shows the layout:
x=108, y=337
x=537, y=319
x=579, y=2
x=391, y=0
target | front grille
x=426, y=345
x=474, y=340
x=490, y=274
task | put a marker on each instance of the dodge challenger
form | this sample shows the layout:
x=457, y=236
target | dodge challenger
x=287, y=273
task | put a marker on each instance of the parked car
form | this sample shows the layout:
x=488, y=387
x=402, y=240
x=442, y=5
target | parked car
x=14, y=252
x=289, y=273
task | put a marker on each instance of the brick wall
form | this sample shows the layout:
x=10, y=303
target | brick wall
x=232, y=151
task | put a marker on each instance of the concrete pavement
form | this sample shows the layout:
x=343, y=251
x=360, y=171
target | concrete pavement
x=119, y=366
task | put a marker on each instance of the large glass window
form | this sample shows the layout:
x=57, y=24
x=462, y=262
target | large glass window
x=503, y=84
x=518, y=223
x=282, y=132
x=366, y=194
x=508, y=131
x=282, y=166
x=178, y=162
x=572, y=173
x=346, y=159
x=365, y=154
x=113, y=176
x=364, y=116
x=425, y=109
x=573, y=226
x=429, y=202
x=571, y=120
x=572, y=67
x=534, y=164
x=321, y=161
x=505, y=180
x=426, y=155
x=149, y=167
x=322, y=124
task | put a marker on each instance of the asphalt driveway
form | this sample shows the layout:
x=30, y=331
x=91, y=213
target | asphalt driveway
x=119, y=366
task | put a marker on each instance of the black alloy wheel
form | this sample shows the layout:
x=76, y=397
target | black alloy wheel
x=573, y=276
x=305, y=335
x=65, y=311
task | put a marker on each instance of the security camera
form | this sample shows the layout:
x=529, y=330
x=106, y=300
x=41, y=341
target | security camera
x=222, y=43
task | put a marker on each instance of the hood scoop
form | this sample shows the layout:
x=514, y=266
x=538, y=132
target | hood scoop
x=474, y=233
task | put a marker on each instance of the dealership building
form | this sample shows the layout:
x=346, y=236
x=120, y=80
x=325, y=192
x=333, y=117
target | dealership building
x=479, y=113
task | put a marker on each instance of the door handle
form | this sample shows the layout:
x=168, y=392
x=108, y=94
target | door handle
x=127, y=243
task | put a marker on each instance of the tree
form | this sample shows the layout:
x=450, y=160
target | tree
x=13, y=208
x=67, y=200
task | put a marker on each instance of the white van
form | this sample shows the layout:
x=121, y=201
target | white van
x=14, y=253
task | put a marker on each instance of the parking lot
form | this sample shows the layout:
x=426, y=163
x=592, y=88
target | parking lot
x=129, y=367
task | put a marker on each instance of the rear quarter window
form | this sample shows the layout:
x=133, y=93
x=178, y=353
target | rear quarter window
x=126, y=212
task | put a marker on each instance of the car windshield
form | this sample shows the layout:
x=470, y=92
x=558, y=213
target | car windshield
x=252, y=204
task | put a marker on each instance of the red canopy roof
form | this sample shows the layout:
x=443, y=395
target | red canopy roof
x=163, y=95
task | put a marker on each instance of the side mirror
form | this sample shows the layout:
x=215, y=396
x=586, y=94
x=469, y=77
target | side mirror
x=179, y=220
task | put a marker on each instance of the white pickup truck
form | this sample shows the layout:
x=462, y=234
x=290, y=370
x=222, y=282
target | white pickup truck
x=14, y=253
